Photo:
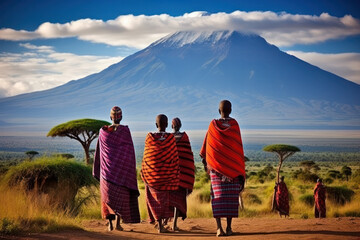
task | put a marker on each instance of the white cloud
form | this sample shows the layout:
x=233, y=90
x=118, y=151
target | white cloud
x=281, y=29
x=346, y=65
x=41, y=68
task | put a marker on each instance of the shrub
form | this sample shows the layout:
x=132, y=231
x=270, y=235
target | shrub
x=304, y=216
x=252, y=199
x=308, y=199
x=334, y=174
x=59, y=179
x=339, y=195
x=328, y=180
x=305, y=176
x=204, y=195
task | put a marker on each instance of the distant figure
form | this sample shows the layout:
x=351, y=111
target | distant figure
x=160, y=173
x=187, y=170
x=223, y=158
x=282, y=198
x=320, y=197
x=115, y=168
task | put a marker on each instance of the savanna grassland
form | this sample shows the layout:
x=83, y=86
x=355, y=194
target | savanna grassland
x=52, y=193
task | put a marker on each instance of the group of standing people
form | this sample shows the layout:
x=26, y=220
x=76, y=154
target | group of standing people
x=281, y=199
x=168, y=171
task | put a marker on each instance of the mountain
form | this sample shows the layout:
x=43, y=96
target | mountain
x=185, y=75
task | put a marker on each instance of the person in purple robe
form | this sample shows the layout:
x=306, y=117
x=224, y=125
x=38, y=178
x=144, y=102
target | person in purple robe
x=115, y=168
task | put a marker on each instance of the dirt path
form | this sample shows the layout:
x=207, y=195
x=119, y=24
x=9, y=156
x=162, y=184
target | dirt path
x=247, y=229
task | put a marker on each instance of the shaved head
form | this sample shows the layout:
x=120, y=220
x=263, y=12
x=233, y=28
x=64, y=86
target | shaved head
x=161, y=122
x=225, y=108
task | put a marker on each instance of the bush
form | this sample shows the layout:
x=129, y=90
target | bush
x=304, y=216
x=305, y=176
x=308, y=199
x=204, y=195
x=339, y=195
x=328, y=180
x=59, y=179
x=252, y=199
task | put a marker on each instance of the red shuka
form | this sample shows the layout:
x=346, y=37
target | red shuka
x=223, y=150
x=160, y=165
x=186, y=162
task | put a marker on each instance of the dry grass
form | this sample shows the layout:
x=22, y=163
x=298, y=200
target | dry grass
x=26, y=213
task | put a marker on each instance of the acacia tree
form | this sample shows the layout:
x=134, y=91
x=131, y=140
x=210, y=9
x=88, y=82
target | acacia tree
x=31, y=154
x=82, y=130
x=346, y=171
x=283, y=151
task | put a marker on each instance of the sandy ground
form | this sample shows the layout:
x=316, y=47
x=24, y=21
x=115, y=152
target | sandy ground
x=255, y=228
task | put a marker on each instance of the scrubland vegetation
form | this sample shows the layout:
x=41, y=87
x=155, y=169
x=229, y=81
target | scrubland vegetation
x=54, y=192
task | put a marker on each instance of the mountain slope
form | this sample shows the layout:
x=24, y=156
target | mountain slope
x=186, y=74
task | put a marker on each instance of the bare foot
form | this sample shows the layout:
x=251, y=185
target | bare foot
x=220, y=233
x=229, y=232
x=175, y=229
x=119, y=228
x=163, y=230
x=110, y=227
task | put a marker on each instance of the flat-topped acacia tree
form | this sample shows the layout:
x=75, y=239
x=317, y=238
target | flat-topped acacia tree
x=283, y=151
x=82, y=130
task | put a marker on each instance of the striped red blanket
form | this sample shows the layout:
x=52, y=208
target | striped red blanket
x=223, y=150
x=320, y=197
x=186, y=162
x=160, y=165
x=282, y=199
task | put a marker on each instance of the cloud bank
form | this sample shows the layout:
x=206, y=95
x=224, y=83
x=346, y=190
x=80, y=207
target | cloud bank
x=281, y=29
x=346, y=65
x=40, y=67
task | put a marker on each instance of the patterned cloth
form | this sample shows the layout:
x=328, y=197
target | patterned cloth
x=178, y=200
x=115, y=157
x=186, y=162
x=160, y=165
x=282, y=199
x=158, y=204
x=320, y=197
x=223, y=150
x=119, y=200
x=225, y=195
x=115, y=168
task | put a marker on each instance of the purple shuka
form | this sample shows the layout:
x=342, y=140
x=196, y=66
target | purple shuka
x=115, y=163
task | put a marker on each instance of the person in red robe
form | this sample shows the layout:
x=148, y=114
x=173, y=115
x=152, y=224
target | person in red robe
x=282, y=198
x=160, y=173
x=223, y=158
x=187, y=171
x=320, y=197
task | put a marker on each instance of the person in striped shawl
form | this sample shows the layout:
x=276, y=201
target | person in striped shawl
x=320, y=197
x=160, y=173
x=115, y=168
x=223, y=158
x=187, y=171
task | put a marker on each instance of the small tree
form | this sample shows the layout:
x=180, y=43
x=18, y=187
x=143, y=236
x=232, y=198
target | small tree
x=31, y=154
x=82, y=130
x=346, y=171
x=307, y=164
x=283, y=151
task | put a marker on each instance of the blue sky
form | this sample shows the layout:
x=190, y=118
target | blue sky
x=44, y=44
